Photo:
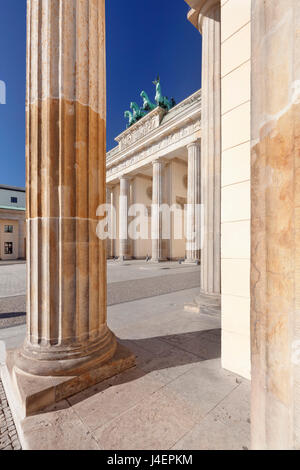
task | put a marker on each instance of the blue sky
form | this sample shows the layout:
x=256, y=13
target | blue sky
x=144, y=38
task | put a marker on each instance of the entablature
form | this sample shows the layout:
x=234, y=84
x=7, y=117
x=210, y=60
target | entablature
x=155, y=132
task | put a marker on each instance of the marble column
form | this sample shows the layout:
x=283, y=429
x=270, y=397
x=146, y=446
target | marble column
x=21, y=235
x=157, y=216
x=111, y=216
x=193, y=251
x=67, y=334
x=275, y=254
x=210, y=27
x=125, y=244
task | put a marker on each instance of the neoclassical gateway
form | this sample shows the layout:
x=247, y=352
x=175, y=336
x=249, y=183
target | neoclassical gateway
x=157, y=161
x=247, y=119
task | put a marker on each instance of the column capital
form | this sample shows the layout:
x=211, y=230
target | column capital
x=162, y=161
x=199, y=10
x=196, y=143
x=125, y=177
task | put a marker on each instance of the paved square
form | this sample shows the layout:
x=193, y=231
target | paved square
x=178, y=396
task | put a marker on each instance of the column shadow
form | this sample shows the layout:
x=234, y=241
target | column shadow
x=161, y=353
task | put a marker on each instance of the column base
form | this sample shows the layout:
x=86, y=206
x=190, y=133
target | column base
x=29, y=394
x=196, y=262
x=205, y=303
x=121, y=259
x=160, y=260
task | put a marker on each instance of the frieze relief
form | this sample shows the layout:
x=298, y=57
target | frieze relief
x=152, y=149
x=139, y=133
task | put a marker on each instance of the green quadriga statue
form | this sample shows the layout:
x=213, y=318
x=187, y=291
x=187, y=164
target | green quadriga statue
x=160, y=100
x=128, y=115
x=138, y=113
x=148, y=105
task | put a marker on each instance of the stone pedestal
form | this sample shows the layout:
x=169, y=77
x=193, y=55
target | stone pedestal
x=157, y=216
x=67, y=334
x=193, y=251
x=275, y=220
x=125, y=243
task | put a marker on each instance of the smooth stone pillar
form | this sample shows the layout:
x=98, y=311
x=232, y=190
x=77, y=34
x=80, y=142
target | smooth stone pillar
x=111, y=217
x=157, y=216
x=67, y=342
x=193, y=249
x=22, y=236
x=275, y=220
x=205, y=15
x=125, y=244
x=210, y=27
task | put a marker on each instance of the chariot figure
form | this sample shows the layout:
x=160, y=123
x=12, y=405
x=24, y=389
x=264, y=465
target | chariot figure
x=161, y=100
x=128, y=115
x=138, y=113
x=147, y=105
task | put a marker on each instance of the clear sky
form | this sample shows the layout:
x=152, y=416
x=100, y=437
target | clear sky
x=144, y=38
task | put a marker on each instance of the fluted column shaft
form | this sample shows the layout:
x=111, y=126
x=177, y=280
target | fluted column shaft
x=275, y=225
x=125, y=246
x=209, y=23
x=65, y=153
x=193, y=251
x=157, y=217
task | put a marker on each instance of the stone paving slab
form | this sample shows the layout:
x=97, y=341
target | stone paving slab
x=178, y=396
x=8, y=435
x=127, y=291
x=12, y=311
x=138, y=280
x=12, y=280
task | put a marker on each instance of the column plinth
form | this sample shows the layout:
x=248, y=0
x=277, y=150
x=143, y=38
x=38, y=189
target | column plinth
x=67, y=334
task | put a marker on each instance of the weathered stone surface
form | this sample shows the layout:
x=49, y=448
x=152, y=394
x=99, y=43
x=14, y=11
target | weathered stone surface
x=68, y=345
x=275, y=294
x=37, y=393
